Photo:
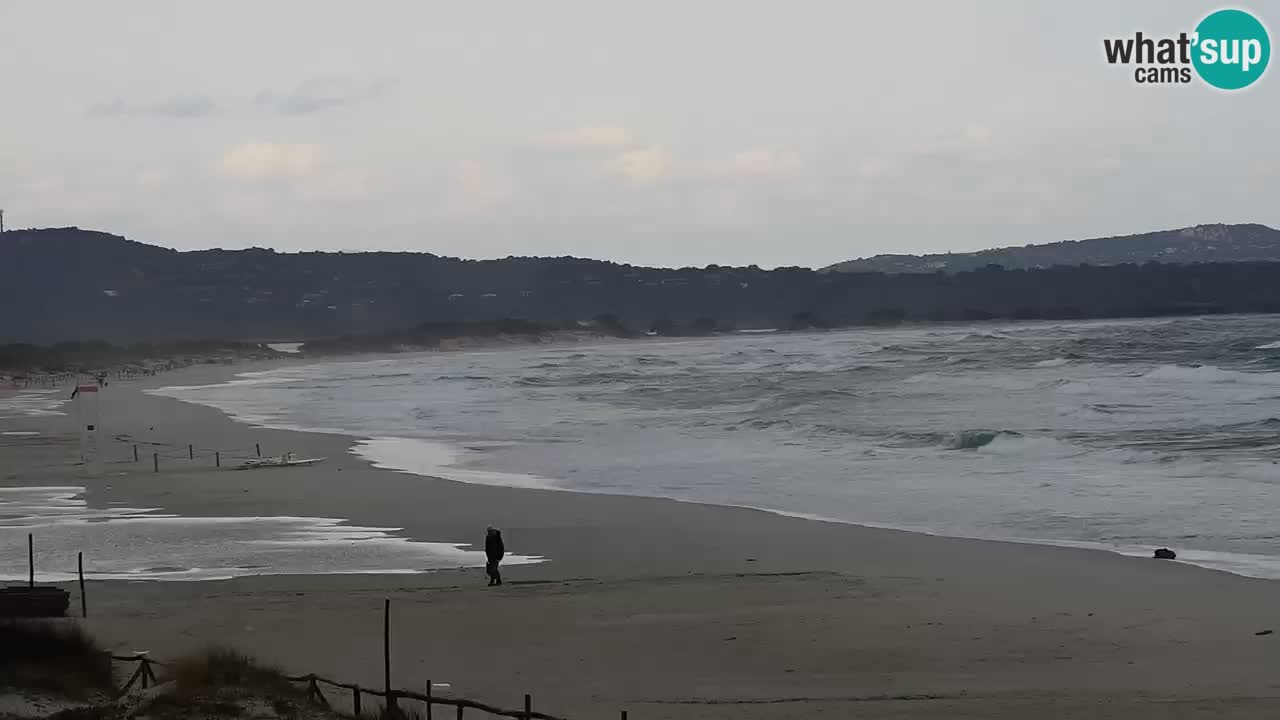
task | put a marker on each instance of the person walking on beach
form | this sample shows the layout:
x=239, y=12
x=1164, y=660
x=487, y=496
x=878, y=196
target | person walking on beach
x=494, y=550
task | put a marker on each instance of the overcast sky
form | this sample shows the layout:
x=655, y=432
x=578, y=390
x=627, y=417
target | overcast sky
x=670, y=133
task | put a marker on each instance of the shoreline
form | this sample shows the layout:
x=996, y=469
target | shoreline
x=1186, y=557
x=221, y=374
x=674, y=609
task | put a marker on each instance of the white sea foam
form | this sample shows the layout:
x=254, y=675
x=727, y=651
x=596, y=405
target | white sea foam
x=436, y=459
x=125, y=543
x=1269, y=346
x=1210, y=374
x=291, y=348
x=33, y=403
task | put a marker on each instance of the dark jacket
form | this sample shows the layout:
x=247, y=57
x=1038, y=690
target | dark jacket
x=493, y=547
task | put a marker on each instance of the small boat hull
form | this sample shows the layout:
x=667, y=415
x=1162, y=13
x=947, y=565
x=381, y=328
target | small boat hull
x=276, y=462
x=38, y=601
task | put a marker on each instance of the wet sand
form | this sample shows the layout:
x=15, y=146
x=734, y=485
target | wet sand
x=668, y=609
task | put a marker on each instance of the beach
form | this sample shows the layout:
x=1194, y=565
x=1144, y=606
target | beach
x=666, y=609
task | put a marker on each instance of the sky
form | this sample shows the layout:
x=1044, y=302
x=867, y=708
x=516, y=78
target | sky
x=657, y=132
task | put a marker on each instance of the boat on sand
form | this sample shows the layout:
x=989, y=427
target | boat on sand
x=285, y=460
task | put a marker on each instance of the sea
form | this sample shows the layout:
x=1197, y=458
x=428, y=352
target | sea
x=1124, y=435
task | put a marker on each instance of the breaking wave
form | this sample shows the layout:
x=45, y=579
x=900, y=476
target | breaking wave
x=974, y=439
x=1210, y=374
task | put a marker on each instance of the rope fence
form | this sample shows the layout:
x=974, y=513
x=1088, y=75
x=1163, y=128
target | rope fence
x=144, y=677
x=172, y=456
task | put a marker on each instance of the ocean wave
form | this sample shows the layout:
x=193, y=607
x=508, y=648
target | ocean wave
x=812, y=367
x=974, y=439
x=441, y=460
x=1012, y=443
x=1269, y=346
x=1209, y=374
x=761, y=424
x=1054, y=362
x=651, y=360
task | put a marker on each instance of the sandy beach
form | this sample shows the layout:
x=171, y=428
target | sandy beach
x=666, y=609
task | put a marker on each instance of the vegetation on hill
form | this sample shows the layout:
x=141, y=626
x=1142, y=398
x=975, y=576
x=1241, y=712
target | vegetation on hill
x=68, y=284
x=1199, y=244
x=91, y=357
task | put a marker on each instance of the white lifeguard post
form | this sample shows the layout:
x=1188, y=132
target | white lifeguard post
x=85, y=398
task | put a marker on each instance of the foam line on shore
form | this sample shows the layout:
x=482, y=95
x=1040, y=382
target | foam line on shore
x=435, y=459
x=150, y=545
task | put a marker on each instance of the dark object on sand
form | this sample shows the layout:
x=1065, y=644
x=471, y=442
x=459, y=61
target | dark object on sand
x=1166, y=554
x=494, y=549
x=34, y=601
x=1264, y=632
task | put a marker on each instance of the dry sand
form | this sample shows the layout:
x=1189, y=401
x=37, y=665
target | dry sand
x=673, y=610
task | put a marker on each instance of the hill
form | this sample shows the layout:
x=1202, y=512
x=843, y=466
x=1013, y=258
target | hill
x=1199, y=244
x=73, y=285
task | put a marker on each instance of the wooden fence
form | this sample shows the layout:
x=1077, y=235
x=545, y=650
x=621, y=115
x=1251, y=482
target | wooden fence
x=188, y=454
x=144, y=676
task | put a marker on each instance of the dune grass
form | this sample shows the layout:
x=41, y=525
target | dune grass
x=398, y=713
x=216, y=668
x=55, y=656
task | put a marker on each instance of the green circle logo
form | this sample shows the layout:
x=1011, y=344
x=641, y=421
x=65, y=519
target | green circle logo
x=1232, y=49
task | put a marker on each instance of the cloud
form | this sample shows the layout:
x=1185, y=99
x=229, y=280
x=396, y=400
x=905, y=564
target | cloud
x=977, y=134
x=760, y=163
x=179, y=107
x=475, y=187
x=45, y=185
x=153, y=178
x=341, y=184
x=643, y=166
x=591, y=137
x=259, y=161
x=320, y=94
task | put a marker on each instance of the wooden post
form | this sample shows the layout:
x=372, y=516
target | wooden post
x=320, y=699
x=84, y=604
x=355, y=700
x=155, y=462
x=459, y=712
x=135, y=453
x=429, y=703
x=217, y=459
x=31, y=560
x=528, y=706
x=132, y=678
x=624, y=715
x=386, y=651
x=191, y=452
x=257, y=447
